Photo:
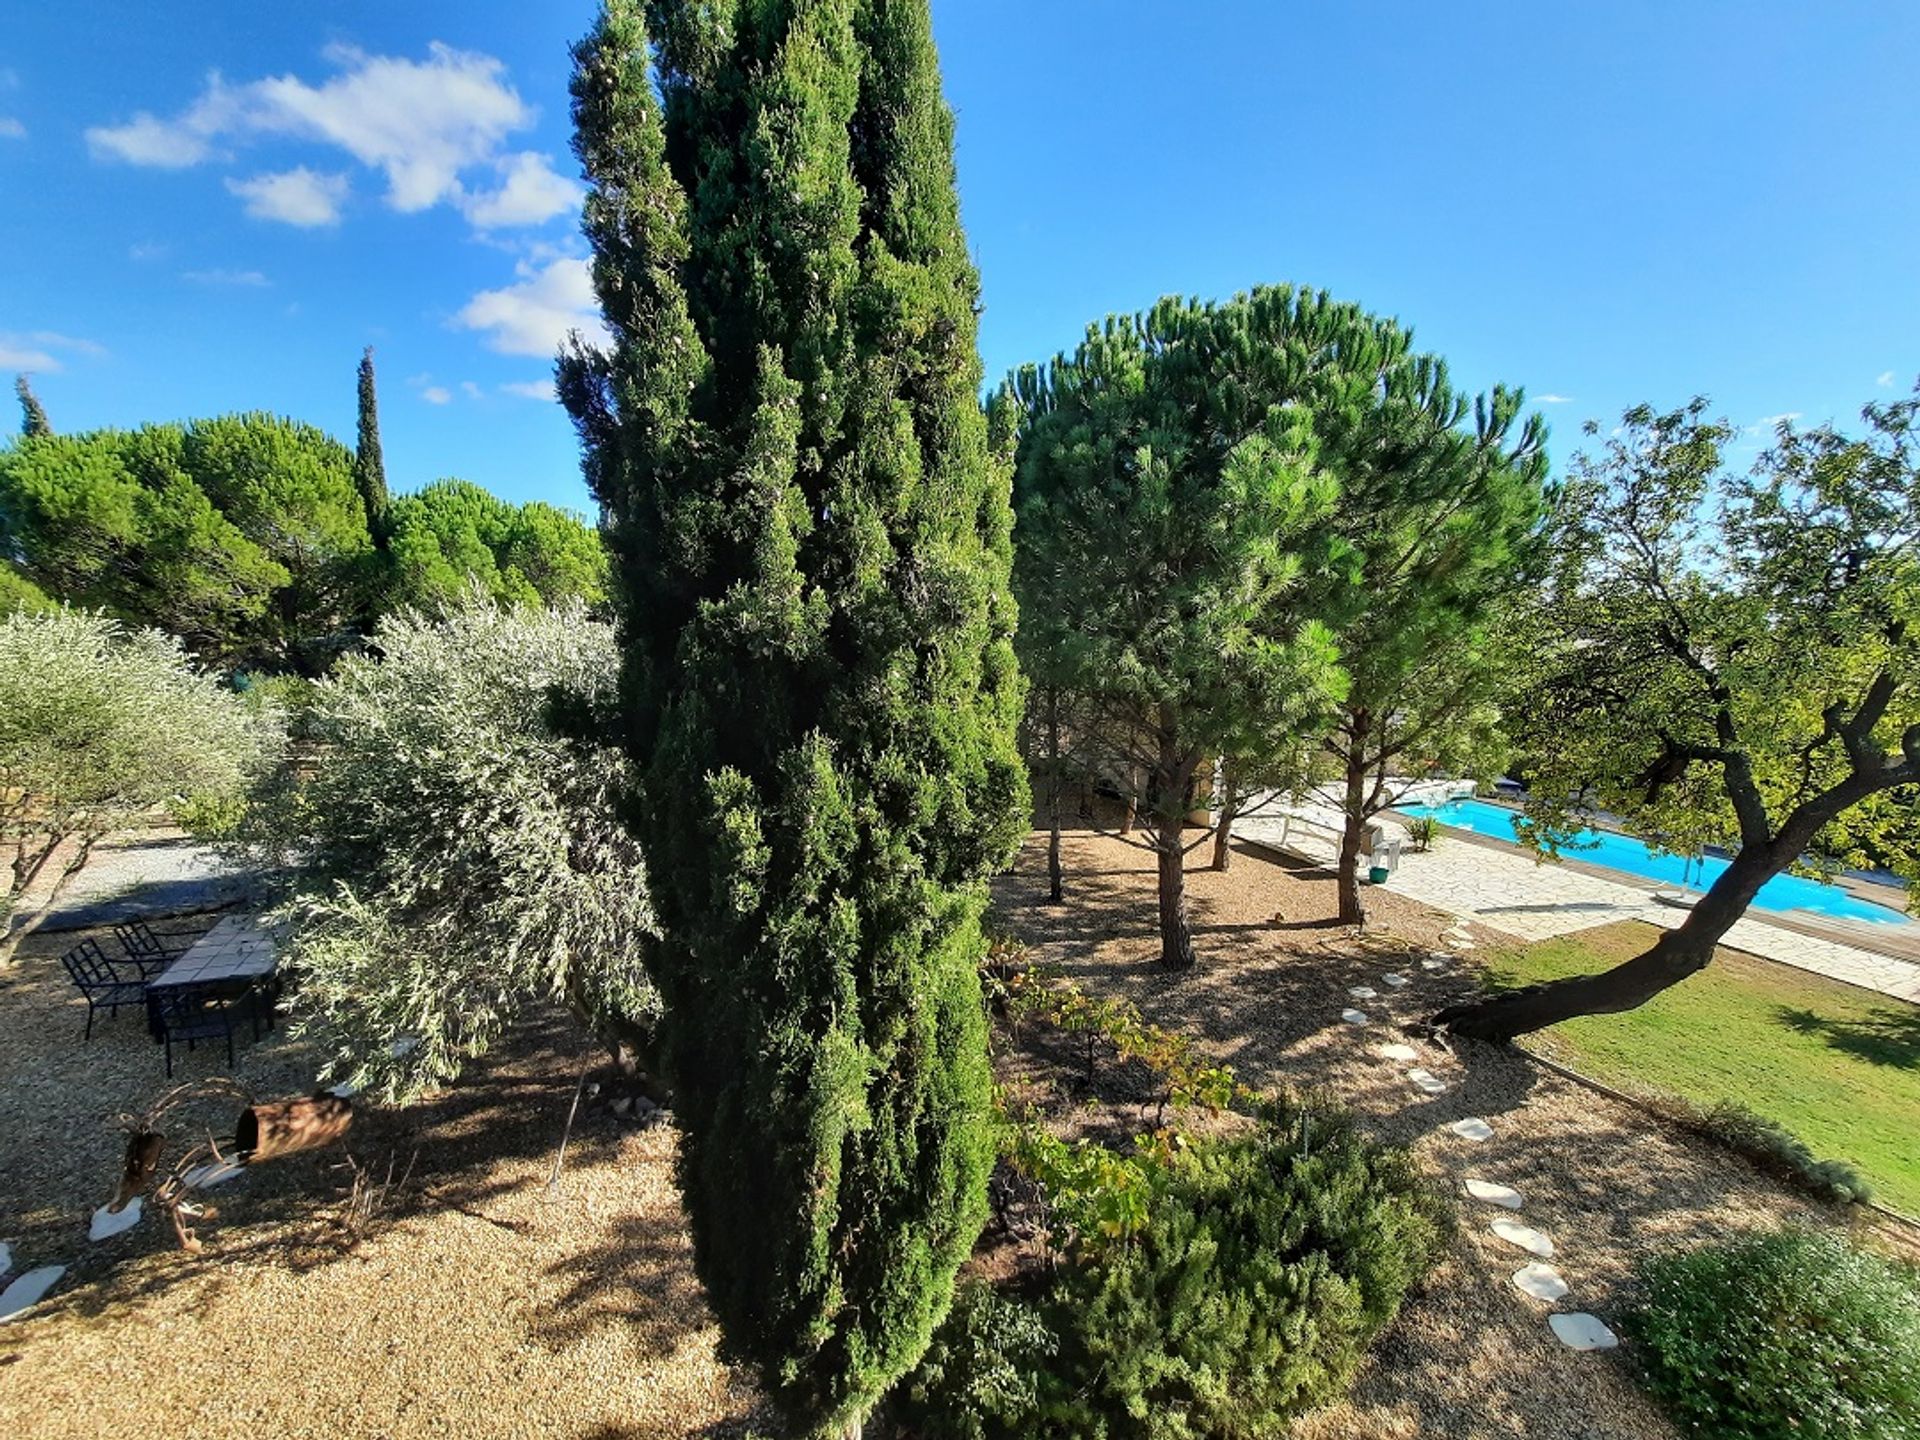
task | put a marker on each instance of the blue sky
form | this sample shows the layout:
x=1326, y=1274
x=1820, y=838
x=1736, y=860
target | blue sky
x=213, y=206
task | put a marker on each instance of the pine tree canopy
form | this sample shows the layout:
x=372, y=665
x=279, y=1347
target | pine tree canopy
x=810, y=537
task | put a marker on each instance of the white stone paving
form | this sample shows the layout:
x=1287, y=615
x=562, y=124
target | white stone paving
x=1525, y=1236
x=28, y=1290
x=1580, y=1331
x=1530, y=899
x=1541, y=1281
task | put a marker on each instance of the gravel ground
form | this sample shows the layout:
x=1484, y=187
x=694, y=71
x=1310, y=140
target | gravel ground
x=1470, y=1355
x=476, y=1303
x=479, y=1303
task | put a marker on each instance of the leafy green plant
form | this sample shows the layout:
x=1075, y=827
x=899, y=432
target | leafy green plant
x=981, y=1375
x=1423, y=830
x=1790, y=1336
x=1780, y=1150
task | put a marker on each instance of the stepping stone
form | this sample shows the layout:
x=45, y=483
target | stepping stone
x=6, y=1257
x=1580, y=1331
x=1506, y=1197
x=1465, y=945
x=106, y=1224
x=205, y=1177
x=345, y=1090
x=1437, y=962
x=404, y=1046
x=1354, y=1017
x=1399, y=1052
x=1525, y=1236
x=1543, y=1282
x=1472, y=1128
x=1393, y=982
x=1364, y=992
x=28, y=1290
x=1432, y=1084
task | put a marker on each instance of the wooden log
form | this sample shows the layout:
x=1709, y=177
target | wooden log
x=284, y=1127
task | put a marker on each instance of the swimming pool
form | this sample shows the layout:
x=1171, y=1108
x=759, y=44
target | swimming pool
x=1623, y=852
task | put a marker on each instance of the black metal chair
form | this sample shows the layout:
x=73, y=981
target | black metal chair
x=149, y=949
x=197, y=1012
x=103, y=986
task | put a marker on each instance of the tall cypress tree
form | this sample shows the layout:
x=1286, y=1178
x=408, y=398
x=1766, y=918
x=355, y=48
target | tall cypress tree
x=369, y=465
x=33, y=417
x=811, y=541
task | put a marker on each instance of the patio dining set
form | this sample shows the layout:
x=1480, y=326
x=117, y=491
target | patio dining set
x=204, y=989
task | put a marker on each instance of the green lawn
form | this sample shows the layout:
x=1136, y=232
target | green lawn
x=1839, y=1067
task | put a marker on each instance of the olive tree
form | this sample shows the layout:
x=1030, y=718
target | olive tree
x=1726, y=659
x=449, y=851
x=102, y=728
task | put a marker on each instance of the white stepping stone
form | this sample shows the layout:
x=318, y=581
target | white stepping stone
x=28, y=1290
x=106, y=1224
x=1436, y=962
x=1393, y=982
x=1580, y=1331
x=1525, y=1236
x=1543, y=1282
x=345, y=1090
x=1399, y=1052
x=404, y=1046
x=1354, y=1017
x=205, y=1177
x=1465, y=945
x=1505, y=1196
x=1431, y=1084
x=1472, y=1128
x=1363, y=992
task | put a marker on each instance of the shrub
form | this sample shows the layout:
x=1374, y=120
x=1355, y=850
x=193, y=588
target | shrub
x=1777, y=1148
x=1789, y=1336
x=1423, y=830
x=451, y=853
x=1240, y=1283
x=980, y=1377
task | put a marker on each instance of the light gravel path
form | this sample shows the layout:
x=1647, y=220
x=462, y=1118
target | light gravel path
x=1506, y=890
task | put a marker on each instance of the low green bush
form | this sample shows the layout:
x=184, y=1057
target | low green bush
x=1246, y=1292
x=1785, y=1153
x=1787, y=1336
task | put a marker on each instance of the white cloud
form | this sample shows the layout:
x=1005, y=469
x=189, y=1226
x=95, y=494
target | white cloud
x=1884, y=380
x=245, y=279
x=531, y=194
x=145, y=250
x=534, y=316
x=41, y=349
x=11, y=129
x=422, y=123
x=1554, y=399
x=173, y=144
x=529, y=389
x=469, y=389
x=1767, y=424
x=436, y=395
x=300, y=196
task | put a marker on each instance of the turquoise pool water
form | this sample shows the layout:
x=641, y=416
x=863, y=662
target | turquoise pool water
x=1622, y=852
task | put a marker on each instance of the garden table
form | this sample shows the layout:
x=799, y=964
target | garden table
x=235, y=950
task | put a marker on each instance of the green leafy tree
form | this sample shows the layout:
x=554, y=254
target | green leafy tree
x=1177, y=554
x=369, y=464
x=1725, y=659
x=99, y=729
x=34, y=424
x=289, y=488
x=811, y=545
x=17, y=592
x=453, y=534
x=451, y=852
x=1445, y=517
x=112, y=520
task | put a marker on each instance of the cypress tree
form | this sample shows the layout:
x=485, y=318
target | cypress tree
x=33, y=417
x=369, y=466
x=811, y=546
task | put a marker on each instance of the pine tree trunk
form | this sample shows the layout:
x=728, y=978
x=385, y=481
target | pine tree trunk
x=1056, y=891
x=1229, y=811
x=1173, y=773
x=1353, y=808
x=1673, y=957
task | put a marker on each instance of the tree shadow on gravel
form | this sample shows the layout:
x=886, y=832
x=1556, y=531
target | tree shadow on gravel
x=468, y=1149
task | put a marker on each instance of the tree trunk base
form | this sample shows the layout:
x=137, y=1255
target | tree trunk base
x=1499, y=1019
